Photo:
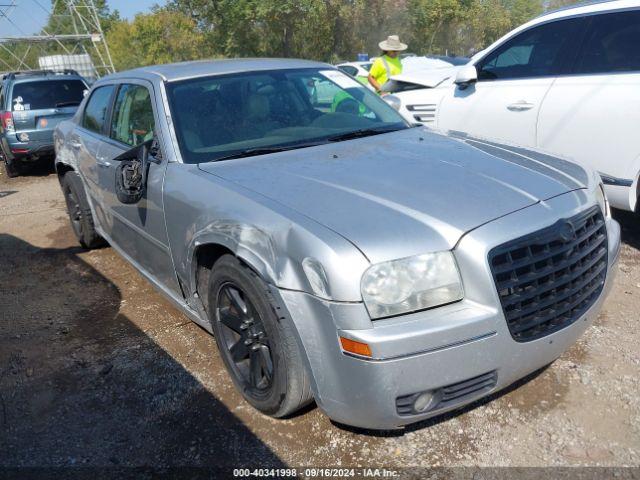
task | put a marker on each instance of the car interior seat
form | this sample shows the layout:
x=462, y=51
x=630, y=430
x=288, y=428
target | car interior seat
x=258, y=115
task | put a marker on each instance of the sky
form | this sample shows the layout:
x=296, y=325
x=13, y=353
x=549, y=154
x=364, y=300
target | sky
x=29, y=16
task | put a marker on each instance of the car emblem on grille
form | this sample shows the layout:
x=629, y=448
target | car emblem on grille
x=567, y=232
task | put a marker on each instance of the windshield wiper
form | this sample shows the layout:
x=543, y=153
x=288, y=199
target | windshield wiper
x=252, y=152
x=67, y=104
x=365, y=132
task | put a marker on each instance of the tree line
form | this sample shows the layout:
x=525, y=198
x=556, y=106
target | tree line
x=327, y=30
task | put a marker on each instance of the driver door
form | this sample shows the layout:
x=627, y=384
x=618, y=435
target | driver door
x=137, y=229
x=513, y=80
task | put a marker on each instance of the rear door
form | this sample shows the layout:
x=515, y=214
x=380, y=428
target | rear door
x=139, y=229
x=593, y=115
x=513, y=80
x=85, y=142
x=38, y=105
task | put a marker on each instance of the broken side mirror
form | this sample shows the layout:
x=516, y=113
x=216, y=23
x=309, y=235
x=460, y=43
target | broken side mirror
x=131, y=173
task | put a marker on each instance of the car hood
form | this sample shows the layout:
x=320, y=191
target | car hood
x=426, y=78
x=403, y=193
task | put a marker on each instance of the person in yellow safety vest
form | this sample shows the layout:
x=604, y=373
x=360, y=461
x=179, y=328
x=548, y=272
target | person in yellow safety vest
x=343, y=102
x=388, y=64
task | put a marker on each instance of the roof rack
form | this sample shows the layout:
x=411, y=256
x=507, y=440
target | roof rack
x=13, y=75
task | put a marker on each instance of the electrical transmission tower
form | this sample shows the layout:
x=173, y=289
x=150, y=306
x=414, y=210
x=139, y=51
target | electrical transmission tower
x=73, y=29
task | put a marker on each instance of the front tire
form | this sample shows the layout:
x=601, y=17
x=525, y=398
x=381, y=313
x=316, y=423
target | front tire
x=79, y=211
x=259, y=349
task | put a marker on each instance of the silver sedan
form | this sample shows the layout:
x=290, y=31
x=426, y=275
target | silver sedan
x=337, y=253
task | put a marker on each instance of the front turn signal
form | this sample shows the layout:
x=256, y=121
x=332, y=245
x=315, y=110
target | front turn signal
x=351, y=346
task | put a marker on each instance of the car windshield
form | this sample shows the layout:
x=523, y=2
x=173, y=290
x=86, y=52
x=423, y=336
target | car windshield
x=42, y=94
x=230, y=116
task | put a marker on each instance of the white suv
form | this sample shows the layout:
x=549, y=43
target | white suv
x=567, y=82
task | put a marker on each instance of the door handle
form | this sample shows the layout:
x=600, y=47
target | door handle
x=520, y=106
x=103, y=163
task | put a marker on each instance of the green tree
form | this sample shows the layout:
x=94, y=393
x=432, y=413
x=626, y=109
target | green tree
x=338, y=29
x=159, y=37
x=60, y=21
x=521, y=11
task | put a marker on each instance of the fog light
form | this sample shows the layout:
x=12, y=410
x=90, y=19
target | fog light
x=23, y=137
x=423, y=402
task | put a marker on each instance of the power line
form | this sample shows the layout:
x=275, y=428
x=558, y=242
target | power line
x=86, y=35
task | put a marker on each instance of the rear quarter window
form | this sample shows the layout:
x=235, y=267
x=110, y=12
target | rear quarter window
x=43, y=94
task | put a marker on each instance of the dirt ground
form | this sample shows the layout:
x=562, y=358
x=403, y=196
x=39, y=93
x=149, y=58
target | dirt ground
x=97, y=369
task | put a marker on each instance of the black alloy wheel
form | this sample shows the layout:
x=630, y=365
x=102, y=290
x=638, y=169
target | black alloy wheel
x=245, y=339
x=258, y=344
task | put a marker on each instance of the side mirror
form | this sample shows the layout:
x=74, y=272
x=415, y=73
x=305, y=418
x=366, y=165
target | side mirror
x=131, y=173
x=467, y=75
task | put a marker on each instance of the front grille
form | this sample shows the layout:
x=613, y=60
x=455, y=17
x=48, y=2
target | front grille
x=451, y=395
x=547, y=279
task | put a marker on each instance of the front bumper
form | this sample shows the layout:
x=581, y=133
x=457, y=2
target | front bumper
x=428, y=350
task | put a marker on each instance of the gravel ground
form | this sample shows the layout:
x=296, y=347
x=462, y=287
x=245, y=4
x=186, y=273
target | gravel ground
x=98, y=369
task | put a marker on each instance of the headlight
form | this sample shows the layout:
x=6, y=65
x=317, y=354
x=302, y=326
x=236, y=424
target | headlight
x=602, y=201
x=410, y=284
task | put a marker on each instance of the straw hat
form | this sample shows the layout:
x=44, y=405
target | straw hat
x=392, y=44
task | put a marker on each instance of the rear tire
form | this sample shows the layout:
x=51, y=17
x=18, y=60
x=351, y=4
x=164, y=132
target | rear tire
x=79, y=211
x=11, y=167
x=258, y=347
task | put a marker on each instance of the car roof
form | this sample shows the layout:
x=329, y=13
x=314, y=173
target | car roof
x=587, y=7
x=45, y=78
x=34, y=75
x=180, y=71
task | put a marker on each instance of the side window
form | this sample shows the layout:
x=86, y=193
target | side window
x=612, y=44
x=132, y=121
x=538, y=52
x=95, y=113
x=322, y=92
x=328, y=97
x=349, y=69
